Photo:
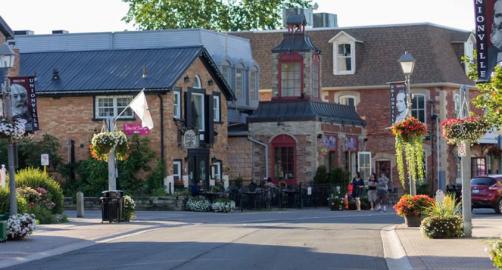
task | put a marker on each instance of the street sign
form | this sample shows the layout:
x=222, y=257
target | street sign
x=44, y=159
x=190, y=139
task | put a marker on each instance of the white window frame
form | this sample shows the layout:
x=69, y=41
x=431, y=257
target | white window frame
x=178, y=173
x=202, y=127
x=177, y=104
x=216, y=108
x=197, y=83
x=360, y=166
x=344, y=38
x=344, y=99
x=253, y=85
x=239, y=70
x=416, y=110
x=128, y=114
x=216, y=168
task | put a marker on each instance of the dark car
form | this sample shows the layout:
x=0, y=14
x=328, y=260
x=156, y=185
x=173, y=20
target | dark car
x=487, y=192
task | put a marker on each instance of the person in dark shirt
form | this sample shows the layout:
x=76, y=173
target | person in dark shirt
x=357, y=190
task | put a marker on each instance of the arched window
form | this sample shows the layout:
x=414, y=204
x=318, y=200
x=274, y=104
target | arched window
x=197, y=83
x=226, y=71
x=253, y=84
x=347, y=100
x=239, y=81
x=284, y=148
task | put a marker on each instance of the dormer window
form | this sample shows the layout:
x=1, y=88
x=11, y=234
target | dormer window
x=291, y=75
x=344, y=54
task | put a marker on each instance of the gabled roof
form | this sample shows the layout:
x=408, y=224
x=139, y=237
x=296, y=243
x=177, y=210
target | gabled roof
x=434, y=48
x=343, y=33
x=106, y=71
x=305, y=110
x=5, y=29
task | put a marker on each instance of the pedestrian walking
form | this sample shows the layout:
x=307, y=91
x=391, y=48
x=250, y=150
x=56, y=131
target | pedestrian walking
x=382, y=192
x=357, y=190
x=372, y=190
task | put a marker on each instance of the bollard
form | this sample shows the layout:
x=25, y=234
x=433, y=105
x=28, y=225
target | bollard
x=80, y=204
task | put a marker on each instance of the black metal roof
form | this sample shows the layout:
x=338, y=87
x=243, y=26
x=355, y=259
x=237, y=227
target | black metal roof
x=5, y=29
x=296, y=42
x=83, y=72
x=305, y=110
x=238, y=130
x=296, y=19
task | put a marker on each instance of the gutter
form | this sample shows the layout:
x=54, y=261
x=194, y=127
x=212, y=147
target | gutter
x=162, y=135
x=266, y=153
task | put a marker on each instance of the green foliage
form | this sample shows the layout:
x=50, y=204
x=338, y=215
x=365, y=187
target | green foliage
x=442, y=227
x=129, y=208
x=490, y=93
x=220, y=15
x=29, y=152
x=496, y=253
x=198, y=204
x=22, y=205
x=155, y=182
x=321, y=175
x=43, y=215
x=92, y=178
x=340, y=177
x=34, y=178
x=449, y=207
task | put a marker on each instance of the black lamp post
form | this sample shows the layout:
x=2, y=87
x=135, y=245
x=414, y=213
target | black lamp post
x=7, y=58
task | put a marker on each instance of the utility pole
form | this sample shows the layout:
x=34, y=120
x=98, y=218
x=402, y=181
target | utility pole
x=465, y=166
x=112, y=177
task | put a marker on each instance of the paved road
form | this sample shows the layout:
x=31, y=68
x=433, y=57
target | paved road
x=295, y=239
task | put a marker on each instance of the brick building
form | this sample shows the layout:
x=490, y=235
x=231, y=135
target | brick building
x=356, y=67
x=295, y=132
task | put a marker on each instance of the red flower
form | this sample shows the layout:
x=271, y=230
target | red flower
x=412, y=205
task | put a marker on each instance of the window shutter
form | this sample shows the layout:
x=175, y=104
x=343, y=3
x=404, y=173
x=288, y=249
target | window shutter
x=187, y=97
x=209, y=119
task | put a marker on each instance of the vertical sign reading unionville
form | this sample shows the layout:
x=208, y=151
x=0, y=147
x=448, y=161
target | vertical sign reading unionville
x=24, y=101
x=488, y=16
x=398, y=108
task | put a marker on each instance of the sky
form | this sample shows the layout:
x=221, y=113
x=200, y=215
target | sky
x=43, y=16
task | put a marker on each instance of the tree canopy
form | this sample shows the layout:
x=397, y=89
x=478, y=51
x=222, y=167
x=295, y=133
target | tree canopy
x=219, y=15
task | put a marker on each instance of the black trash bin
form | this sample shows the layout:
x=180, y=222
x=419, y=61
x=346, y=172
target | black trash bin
x=112, y=206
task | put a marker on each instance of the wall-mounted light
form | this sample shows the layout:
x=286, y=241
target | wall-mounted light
x=55, y=75
x=210, y=82
x=186, y=79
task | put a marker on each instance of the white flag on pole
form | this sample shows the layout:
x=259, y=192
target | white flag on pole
x=140, y=107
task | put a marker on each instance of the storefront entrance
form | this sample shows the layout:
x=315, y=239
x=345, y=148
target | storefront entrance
x=198, y=168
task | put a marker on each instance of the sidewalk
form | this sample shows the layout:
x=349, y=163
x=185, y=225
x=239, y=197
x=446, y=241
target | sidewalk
x=424, y=253
x=54, y=239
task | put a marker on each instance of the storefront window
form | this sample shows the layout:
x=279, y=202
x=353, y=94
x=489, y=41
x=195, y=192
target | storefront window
x=284, y=157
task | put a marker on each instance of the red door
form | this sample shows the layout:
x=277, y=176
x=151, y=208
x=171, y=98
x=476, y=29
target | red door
x=283, y=156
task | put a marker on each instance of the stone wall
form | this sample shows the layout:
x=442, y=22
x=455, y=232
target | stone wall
x=240, y=152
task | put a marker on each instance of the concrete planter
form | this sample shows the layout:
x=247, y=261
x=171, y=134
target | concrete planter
x=412, y=221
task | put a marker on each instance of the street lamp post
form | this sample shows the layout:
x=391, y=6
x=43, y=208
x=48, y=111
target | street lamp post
x=407, y=63
x=7, y=57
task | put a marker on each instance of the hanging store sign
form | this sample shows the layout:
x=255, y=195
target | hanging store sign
x=190, y=139
x=135, y=128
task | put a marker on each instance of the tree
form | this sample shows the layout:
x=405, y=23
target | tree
x=219, y=15
x=490, y=93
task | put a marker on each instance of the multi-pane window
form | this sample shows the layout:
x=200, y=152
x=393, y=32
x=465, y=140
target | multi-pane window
x=198, y=110
x=216, y=108
x=344, y=58
x=216, y=170
x=197, y=83
x=315, y=79
x=347, y=100
x=253, y=89
x=177, y=170
x=418, y=107
x=177, y=104
x=364, y=164
x=111, y=106
x=239, y=81
x=225, y=69
x=478, y=166
x=284, y=162
x=291, y=79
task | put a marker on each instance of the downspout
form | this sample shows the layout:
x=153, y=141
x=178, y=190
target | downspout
x=266, y=153
x=162, y=136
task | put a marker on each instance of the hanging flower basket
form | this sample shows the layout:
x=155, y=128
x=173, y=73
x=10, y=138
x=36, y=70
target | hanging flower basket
x=14, y=129
x=469, y=129
x=409, y=135
x=102, y=143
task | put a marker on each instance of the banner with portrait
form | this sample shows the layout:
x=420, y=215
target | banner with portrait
x=351, y=143
x=24, y=101
x=488, y=17
x=398, y=106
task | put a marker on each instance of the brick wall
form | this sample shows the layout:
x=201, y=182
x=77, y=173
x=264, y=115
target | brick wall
x=241, y=151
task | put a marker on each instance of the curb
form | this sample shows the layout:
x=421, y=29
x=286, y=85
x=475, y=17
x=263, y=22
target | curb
x=75, y=246
x=394, y=253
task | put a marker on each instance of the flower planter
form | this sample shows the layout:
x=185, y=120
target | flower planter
x=412, y=221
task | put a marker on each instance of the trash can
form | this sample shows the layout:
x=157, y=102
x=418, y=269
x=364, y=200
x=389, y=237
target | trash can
x=112, y=206
x=3, y=227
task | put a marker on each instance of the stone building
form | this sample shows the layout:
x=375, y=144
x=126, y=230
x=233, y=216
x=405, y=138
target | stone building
x=356, y=67
x=295, y=132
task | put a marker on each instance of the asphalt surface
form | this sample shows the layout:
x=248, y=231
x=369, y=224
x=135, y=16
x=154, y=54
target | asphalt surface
x=295, y=239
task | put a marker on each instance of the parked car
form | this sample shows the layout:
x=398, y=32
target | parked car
x=487, y=192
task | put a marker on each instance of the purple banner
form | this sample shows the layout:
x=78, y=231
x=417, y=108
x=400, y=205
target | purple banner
x=398, y=106
x=488, y=16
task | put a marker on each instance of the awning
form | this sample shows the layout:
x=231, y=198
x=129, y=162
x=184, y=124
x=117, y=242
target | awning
x=491, y=138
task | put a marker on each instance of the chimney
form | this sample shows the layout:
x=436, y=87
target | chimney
x=307, y=12
x=23, y=32
x=59, y=32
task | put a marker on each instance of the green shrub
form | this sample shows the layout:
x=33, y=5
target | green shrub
x=22, y=205
x=447, y=208
x=339, y=177
x=42, y=215
x=129, y=208
x=442, y=227
x=496, y=253
x=155, y=182
x=198, y=204
x=35, y=178
x=321, y=175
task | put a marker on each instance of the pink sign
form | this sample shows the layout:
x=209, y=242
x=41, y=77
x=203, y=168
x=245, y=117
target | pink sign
x=135, y=128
